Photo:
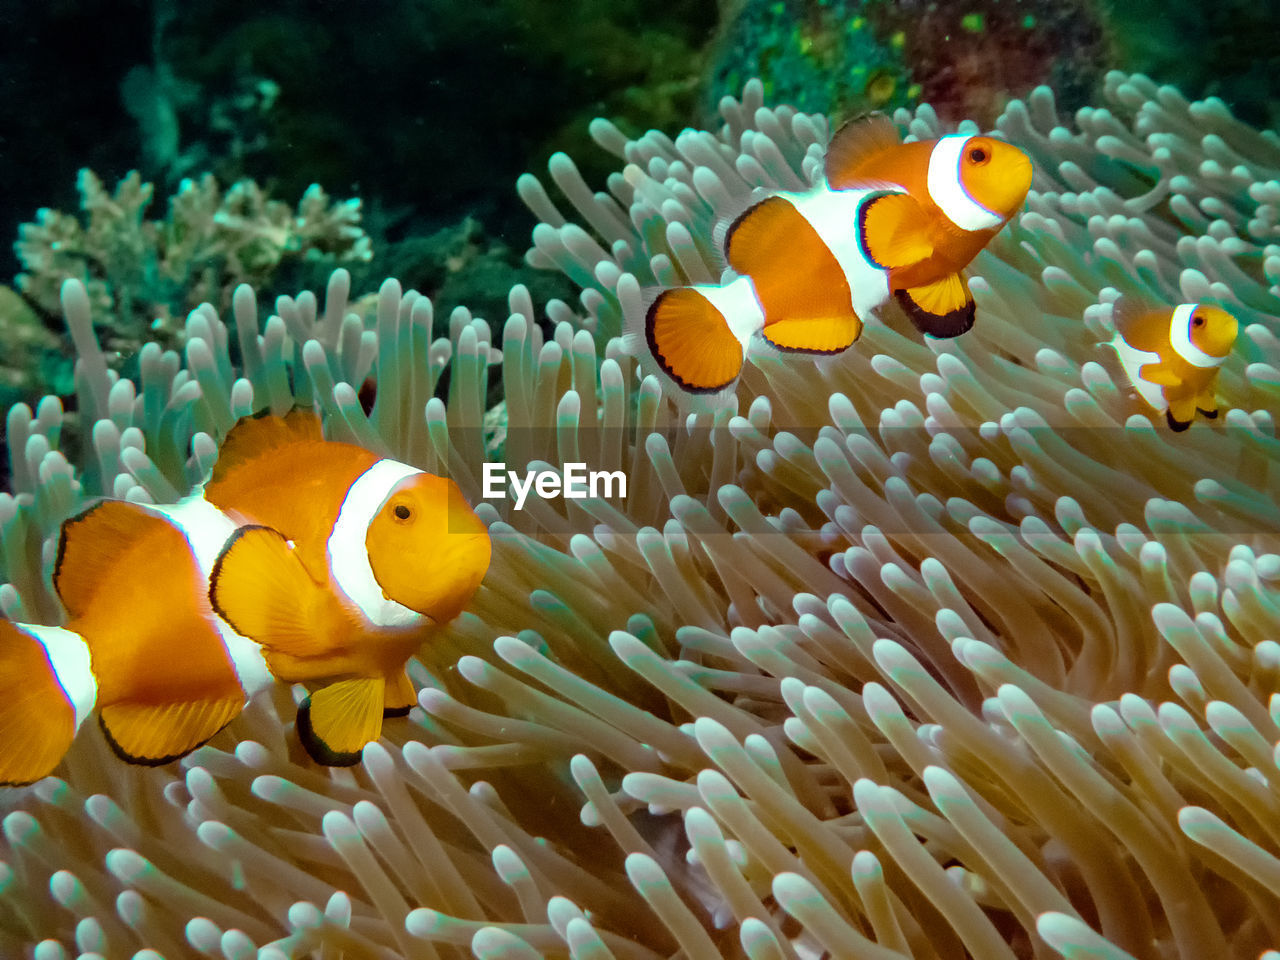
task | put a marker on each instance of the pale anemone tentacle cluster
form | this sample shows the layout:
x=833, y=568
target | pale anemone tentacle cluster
x=935, y=648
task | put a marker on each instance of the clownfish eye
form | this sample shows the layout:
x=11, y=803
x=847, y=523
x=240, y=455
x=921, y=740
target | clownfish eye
x=402, y=512
x=1197, y=320
x=979, y=156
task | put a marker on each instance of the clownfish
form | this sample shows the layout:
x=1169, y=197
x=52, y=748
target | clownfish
x=1171, y=356
x=301, y=561
x=893, y=219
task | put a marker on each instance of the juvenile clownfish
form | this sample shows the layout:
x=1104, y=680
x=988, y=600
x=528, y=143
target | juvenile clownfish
x=892, y=219
x=1171, y=356
x=178, y=614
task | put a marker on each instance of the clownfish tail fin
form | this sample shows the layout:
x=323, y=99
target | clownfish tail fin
x=46, y=690
x=697, y=336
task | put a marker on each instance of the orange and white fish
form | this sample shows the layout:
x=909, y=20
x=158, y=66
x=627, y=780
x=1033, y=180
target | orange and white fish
x=892, y=219
x=1171, y=356
x=178, y=614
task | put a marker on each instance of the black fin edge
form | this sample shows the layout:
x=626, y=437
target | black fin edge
x=128, y=757
x=942, y=326
x=62, y=539
x=216, y=570
x=315, y=747
x=1177, y=426
x=863, y=209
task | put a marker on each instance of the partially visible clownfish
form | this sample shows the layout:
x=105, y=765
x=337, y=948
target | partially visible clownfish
x=892, y=219
x=304, y=561
x=1171, y=356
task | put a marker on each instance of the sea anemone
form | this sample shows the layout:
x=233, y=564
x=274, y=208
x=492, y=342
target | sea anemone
x=930, y=649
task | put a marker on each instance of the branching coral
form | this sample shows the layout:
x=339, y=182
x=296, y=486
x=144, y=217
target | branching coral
x=144, y=275
x=937, y=649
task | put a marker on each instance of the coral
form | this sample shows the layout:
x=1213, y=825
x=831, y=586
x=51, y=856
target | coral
x=821, y=56
x=144, y=275
x=931, y=649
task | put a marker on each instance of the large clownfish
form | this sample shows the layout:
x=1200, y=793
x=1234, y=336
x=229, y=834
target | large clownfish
x=303, y=561
x=1171, y=356
x=892, y=219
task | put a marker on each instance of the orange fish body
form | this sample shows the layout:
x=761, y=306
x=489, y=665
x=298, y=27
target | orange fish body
x=892, y=219
x=343, y=575
x=176, y=613
x=1171, y=356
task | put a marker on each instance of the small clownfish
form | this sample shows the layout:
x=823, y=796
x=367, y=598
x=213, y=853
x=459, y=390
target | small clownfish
x=178, y=614
x=1171, y=357
x=893, y=219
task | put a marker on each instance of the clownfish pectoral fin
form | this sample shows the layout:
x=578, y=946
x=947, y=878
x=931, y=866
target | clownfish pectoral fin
x=336, y=721
x=692, y=342
x=1159, y=374
x=260, y=587
x=37, y=712
x=942, y=309
x=893, y=230
x=853, y=144
x=817, y=335
x=400, y=697
x=154, y=734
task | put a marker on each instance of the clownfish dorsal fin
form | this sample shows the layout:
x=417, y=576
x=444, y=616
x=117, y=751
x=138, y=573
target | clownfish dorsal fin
x=92, y=543
x=400, y=696
x=763, y=237
x=1143, y=324
x=857, y=141
x=336, y=721
x=153, y=734
x=942, y=309
x=893, y=230
x=264, y=434
x=261, y=588
x=820, y=335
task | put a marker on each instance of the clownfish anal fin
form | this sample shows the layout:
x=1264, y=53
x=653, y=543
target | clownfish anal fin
x=155, y=734
x=260, y=586
x=399, y=697
x=822, y=335
x=853, y=144
x=893, y=231
x=941, y=309
x=336, y=721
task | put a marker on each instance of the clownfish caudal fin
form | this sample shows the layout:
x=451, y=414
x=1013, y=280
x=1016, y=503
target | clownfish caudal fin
x=942, y=309
x=697, y=335
x=155, y=734
x=814, y=335
x=336, y=721
x=400, y=696
x=260, y=587
x=893, y=230
x=46, y=690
